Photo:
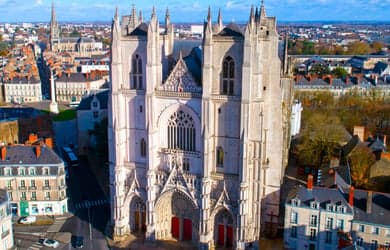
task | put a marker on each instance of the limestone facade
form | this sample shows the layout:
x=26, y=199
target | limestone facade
x=197, y=142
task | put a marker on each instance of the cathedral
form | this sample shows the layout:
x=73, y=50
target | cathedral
x=198, y=133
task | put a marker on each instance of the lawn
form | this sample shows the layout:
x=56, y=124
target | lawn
x=65, y=115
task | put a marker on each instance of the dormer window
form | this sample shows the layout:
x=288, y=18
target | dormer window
x=341, y=209
x=32, y=171
x=94, y=104
x=314, y=205
x=22, y=171
x=330, y=207
x=295, y=202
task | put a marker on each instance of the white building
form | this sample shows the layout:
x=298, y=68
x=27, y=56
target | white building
x=20, y=90
x=34, y=177
x=6, y=239
x=296, y=118
x=197, y=142
x=314, y=216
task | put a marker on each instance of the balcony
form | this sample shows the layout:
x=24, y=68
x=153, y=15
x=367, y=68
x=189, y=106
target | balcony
x=47, y=198
x=33, y=198
x=46, y=188
x=32, y=188
x=22, y=188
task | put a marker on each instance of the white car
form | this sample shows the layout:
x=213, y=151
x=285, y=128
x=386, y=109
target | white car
x=28, y=219
x=49, y=243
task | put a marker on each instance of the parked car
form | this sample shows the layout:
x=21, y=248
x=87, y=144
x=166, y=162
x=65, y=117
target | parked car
x=28, y=219
x=49, y=243
x=77, y=241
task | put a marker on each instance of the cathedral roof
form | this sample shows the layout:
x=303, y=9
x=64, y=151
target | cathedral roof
x=231, y=30
x=141, y=30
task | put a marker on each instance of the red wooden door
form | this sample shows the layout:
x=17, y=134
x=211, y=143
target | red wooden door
x=187, y=229
x=229, y=236
x=136, y=220
x=175, y=227
x=221, y=235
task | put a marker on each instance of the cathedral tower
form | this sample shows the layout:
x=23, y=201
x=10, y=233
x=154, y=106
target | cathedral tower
x=54, y=29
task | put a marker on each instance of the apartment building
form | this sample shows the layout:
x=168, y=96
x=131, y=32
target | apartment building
x=371, y=223
x=6, y=232
x=34, y=177
x=314, y=216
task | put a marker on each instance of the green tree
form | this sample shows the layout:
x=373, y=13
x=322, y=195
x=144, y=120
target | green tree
x=75, y=33
x=308, y=48
x=377, y=46
x=339, y=72
x=321, y=134
x=319, y=69
x=361, y=159
x=358, y=48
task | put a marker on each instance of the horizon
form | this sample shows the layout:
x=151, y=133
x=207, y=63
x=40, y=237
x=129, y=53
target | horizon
x=286, y=11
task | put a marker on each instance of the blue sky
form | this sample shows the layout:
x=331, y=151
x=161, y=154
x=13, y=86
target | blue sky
x=196, y=10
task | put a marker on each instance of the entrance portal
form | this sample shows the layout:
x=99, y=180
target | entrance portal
x=224, y=229
x=138, y=215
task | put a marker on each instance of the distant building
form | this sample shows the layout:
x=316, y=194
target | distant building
x=6, y=239
x=91, y=110
x=34, y=176
x=71, y=87
x=81, y=46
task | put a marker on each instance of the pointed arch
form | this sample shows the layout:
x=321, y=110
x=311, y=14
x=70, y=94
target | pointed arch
x=136, y=72
x=143, y=148
x=220, y=157
x=228, y=76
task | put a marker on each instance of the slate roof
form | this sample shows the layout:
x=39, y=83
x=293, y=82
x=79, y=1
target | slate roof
x=380, y=67
x=10, y=113
x=77, y=77
x=377, y=145
x=86, y=101
x=351, y=144
x=322, y=195
x=231, y=29
x=141, y=30
x=194, y=64
x=24, y=80
x=380, y=208
x=23, y=154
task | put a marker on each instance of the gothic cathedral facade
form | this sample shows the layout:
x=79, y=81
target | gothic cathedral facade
x=197, y=137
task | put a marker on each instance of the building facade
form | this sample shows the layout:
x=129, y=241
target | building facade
x=35, y=179
x=314, y=216
x=197, y=142
x=91, y=110
x=6, y=239
x=22, y=90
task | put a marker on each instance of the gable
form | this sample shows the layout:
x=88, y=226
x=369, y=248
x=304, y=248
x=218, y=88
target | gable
x=181, y=79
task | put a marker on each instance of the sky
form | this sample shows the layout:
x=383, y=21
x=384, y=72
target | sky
x=195, y=10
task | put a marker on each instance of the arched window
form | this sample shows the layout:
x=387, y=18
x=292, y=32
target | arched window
x=181, y=131
x=220, y=157
x=228, y=76
x=143, y=147
x=136, y=75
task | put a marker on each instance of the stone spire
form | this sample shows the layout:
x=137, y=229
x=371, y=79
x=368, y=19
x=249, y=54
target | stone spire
x=220, y=24
x=252, y=16
x=262, y=10
x=208, y=29
x=167, y=21
x=140, y=17
x=257, y=15
x=53, y=14
x=209, y=15
x=133, y=22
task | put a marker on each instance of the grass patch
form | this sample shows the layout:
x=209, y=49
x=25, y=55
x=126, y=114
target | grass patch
x=65, y=115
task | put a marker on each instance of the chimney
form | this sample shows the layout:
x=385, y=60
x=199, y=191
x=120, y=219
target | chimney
x=310, y=182
x=32, y=138
x=3, y=153
x=369, y=202
x=38, y=151
x=49, y=142
x=351, y=196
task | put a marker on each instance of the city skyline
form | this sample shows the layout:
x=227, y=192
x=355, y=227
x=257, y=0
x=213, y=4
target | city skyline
x=12, y=11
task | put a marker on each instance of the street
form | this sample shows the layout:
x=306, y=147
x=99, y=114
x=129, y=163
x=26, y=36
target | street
x=89, y=205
